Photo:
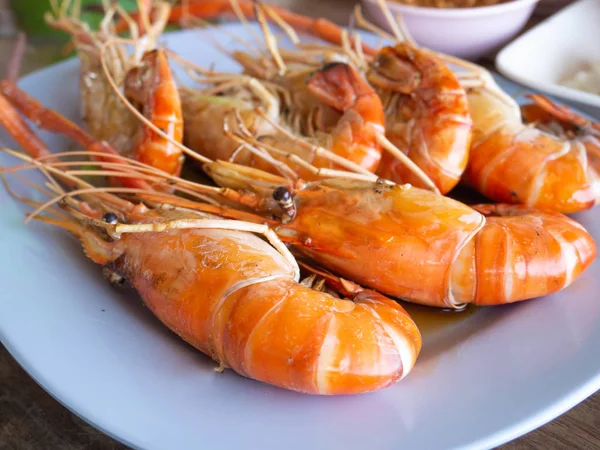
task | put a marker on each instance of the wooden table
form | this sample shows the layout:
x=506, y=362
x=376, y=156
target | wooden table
x=32, y=419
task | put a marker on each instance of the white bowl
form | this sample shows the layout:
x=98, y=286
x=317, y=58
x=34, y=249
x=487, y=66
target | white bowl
x=468, y=33
x=555, y=49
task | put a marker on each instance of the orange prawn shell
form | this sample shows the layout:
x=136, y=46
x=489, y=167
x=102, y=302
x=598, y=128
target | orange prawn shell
x=535, y=253
x=430, y=119
x=400, y=230
x=172, y=275
x=161, y=104
x=235, y=298
x=515, y=163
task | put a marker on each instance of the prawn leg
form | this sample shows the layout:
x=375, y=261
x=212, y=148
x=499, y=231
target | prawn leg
x=20, y=131
x=543, y=104
x=49, y=120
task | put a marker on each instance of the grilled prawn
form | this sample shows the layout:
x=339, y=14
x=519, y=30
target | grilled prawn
x=236, y=297
x=515, y=163
x=333, y=107
x=414, y=244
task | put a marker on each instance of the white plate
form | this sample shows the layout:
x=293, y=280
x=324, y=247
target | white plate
x=481, y=380
x=555, y=49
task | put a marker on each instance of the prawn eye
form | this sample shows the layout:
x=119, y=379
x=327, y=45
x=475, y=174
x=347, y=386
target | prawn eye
x=282, y=195
x=110, y=217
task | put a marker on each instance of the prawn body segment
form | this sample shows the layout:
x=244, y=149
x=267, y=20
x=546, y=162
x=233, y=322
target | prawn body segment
x=427, y=115
x=514, y=163
x=521, y=253
x=401, y=241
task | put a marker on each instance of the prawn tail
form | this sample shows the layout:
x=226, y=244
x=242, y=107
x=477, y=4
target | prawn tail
x=540, y=252
x=393, y=317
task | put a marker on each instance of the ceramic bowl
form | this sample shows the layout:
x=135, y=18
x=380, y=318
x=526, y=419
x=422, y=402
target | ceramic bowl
x=468, y=33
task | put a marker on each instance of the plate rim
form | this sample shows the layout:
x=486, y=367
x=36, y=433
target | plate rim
x=38, y=379
x=575, y=396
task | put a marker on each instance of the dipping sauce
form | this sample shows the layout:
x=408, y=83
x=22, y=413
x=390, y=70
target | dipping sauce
x=587, y=79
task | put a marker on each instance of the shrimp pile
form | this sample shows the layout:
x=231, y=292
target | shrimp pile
x=427, y=123
x=332, y=158
x=227, y=292
x=506, y=160
x=336, y=111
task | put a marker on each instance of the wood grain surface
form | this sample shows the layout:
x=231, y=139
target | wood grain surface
x=30, y=419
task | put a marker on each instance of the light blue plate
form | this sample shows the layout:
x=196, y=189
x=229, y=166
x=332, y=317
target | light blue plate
x=480, y=381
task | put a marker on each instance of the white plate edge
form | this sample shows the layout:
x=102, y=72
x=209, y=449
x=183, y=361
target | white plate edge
x=502, y=436
x=552, y=88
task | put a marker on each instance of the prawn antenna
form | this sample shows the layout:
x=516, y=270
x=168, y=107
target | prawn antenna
x=133, y=109
x=365, y=24
x=270, y=40
x=390, y=20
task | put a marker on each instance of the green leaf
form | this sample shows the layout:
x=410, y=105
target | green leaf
x=30, y=16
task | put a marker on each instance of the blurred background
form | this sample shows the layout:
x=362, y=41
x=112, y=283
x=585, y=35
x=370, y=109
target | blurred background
x=45, y=44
